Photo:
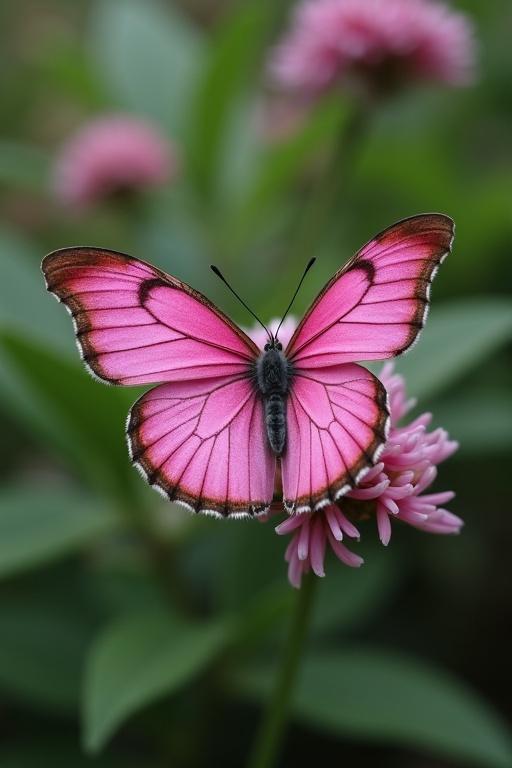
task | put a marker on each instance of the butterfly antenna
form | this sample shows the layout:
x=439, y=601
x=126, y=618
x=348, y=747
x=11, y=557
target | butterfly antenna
x=217, y=271
x=308, y=267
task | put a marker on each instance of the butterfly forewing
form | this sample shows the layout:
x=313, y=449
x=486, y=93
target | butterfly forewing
x=375, y=306
x=137, y=325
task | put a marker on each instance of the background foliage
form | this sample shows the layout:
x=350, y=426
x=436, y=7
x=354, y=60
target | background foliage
x=131, y=631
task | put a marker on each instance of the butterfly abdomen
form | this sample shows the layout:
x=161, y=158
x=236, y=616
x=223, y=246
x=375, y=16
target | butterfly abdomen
x=273, y=375
x=275, y=419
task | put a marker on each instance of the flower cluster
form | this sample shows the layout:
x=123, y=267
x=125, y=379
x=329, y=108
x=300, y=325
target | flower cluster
x=111, y=155
x=393, y=490
x=381, y=43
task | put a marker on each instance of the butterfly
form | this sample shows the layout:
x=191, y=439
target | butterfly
x=226, y=415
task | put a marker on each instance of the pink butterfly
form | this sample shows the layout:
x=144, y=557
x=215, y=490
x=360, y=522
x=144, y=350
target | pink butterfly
x=225, y=412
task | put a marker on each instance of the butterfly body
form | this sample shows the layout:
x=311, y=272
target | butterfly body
x=273, y=376
x=225, y=422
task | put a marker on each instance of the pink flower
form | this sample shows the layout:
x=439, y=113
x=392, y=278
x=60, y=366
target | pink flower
x=110, y=155
x=392, y=490
x=384, y=43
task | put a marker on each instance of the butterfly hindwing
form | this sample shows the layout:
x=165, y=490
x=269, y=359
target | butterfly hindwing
x=337, y=426
x=204, y=445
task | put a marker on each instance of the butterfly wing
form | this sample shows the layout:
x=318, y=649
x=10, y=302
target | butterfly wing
x=137, y=325
x=337, y=419
x=376, y=305
x=199, y=438
x=204, y=445
x=372, y=309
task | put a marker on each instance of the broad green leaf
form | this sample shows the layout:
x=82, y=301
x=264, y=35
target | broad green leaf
x=22, y=166
x=149, y=55
x=377, y=696
x=24, y=303
x=38, y=527
x=138, y=660
x=233, y=55
x=44, y=636
x=480, y=420
x=456, y=338
x=82, y=418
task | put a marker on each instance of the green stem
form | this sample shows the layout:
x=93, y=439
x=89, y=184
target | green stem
x=331, y=184
x=270, y=734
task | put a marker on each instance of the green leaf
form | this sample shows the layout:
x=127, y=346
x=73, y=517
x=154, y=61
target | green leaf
x=386, y=698
x=481, y=421
x=149, y=55
x=44, y=636
x=457, y=337
x=139, y=660
x=24, y=303
x=83, y=419
x=38, y=527
x=232, y=58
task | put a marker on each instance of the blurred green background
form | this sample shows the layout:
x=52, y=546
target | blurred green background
x=132, y=634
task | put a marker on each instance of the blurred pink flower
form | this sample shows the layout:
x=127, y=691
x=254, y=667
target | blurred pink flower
x=111, y=155
x=384, y=43
x=393, y=489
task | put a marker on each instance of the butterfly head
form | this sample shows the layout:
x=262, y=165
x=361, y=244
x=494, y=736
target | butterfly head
x=273, y=343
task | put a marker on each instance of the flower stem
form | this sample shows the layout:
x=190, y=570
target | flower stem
x=270, y=734
x=319, y=213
